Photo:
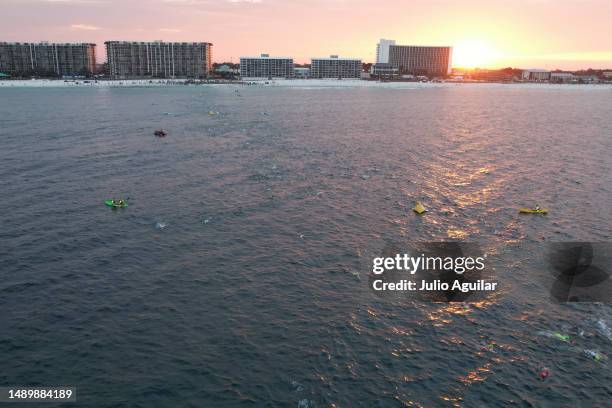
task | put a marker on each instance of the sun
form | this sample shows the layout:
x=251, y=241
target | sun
x=472, y=54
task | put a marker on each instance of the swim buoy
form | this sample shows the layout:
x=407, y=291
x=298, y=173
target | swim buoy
x=419, y=208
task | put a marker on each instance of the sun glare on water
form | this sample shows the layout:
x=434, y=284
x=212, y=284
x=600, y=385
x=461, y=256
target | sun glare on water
x=473, y=54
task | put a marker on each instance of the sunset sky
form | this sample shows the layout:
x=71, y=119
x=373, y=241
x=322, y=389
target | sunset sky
x=566, y=34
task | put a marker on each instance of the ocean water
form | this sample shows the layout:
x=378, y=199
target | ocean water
x=236, y=275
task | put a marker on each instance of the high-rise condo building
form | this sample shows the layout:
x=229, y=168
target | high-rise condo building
x=335, y=67
x=157, y=59
x=421, y=60
x=266, y=67
x=382, y=50
x=47, y=59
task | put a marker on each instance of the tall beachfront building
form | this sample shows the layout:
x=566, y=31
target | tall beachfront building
x=382, y=50
x=335, y=67
x=47, y=59
x=266, y=67
x=157, y=59
x=421, y=60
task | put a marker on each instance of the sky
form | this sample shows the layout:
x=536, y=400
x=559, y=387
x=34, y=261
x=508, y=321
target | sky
x=551, y=34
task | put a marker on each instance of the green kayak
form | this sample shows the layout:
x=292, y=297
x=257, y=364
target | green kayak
x=118, y=204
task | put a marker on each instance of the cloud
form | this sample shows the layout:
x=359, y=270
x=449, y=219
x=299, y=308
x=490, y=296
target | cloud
x=170, y=30
x=245, y=1
x=86, y=27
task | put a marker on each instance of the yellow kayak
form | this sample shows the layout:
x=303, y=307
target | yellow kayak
x=419, y=208
x=532, y=211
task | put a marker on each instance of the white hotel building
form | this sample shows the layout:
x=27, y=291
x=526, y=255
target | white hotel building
x=266, y=67
x=335, y=67
x=535, y=75
x=382, y=50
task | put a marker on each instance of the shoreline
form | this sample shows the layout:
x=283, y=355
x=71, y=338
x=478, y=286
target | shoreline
x=291, y=83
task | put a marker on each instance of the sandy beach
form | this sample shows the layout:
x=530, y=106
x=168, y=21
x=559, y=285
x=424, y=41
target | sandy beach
x=295, y=83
